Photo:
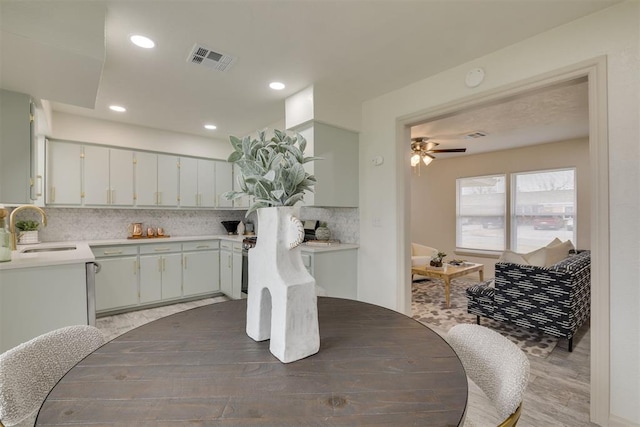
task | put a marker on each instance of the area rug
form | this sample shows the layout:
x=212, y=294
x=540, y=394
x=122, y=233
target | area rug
x=428, y=307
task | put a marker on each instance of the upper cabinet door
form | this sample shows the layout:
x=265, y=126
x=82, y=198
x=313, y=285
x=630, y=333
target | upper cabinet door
x=146, y=178
x=96, y=175
x=189, y=196
x=240, y=202
x=223, y=183
x=167, y=180
x=337, y=173
x=206, y=183
x=120, y=177
x=64, y=173
x=17, y=144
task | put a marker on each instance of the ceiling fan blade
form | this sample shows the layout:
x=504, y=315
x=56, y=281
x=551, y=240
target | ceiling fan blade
x=449, y=150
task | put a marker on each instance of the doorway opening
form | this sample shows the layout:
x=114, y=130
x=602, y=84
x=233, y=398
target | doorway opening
x=592, y=74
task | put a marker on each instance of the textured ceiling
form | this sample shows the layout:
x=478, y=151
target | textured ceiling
x=547, y=115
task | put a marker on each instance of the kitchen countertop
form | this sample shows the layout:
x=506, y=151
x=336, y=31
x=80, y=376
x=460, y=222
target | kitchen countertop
x=83, y=253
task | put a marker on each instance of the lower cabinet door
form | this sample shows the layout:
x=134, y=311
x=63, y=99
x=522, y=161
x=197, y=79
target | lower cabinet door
x=117, y=283
x=171, y=276
x=226, y=273
x=200, y=272
x=150, y=278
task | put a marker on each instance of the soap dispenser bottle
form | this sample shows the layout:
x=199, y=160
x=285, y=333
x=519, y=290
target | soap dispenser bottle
x=5, y=237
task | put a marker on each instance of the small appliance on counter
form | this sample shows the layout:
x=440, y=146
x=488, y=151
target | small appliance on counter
x=310, y=226
x=231, y=226
x=248, y=229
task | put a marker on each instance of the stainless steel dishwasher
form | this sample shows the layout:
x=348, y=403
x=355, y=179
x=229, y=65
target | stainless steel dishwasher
x=92, y=269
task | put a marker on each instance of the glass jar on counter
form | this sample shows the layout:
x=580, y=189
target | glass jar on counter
x=5, y=237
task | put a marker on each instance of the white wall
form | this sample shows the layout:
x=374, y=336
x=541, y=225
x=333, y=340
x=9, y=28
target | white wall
x=433, y=192
x=71, y=127
x=613, y=32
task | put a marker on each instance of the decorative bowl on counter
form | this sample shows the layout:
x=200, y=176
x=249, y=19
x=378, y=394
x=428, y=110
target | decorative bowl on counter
x=230, y=226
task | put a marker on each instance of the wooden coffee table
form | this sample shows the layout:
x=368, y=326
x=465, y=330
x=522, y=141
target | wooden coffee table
x=447, y=273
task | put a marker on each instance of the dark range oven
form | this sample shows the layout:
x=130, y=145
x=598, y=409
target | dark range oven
x=247, y=243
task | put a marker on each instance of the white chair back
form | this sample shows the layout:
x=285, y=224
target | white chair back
x=29, y=371
x=495, y=364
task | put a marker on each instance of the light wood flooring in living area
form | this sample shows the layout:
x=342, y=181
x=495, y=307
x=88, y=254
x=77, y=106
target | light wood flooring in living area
x=557, y=394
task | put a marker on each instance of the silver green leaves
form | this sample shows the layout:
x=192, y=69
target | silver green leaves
x=272, y=170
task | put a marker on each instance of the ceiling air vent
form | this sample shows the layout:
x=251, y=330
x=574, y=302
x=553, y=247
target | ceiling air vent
x=201, y=55
x=476, y=134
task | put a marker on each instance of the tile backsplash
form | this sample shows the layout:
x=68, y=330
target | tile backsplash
x=68, y=224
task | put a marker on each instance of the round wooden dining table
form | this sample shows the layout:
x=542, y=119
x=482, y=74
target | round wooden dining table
x=198, y=367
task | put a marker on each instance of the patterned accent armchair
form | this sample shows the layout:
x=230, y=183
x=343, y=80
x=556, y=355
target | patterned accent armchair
x=555, y=300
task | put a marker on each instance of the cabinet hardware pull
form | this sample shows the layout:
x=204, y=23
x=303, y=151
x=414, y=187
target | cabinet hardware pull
x=39, y=180
x=135, y=267
x=53, y=194
x=202, y=246
x=112, y=252
x=159, y=197
x=113, y=197
x=159, y=264
x=229, y=261
x=185, y=262
x=164, y=263
x=161, y=249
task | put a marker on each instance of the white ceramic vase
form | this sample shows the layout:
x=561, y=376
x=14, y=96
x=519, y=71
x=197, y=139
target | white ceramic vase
x=282, y=304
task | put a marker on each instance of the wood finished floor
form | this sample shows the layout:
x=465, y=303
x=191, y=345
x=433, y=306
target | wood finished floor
x=557, y=394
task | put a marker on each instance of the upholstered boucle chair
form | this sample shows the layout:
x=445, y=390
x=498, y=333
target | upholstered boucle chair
x=29, y=371
x=495, y=364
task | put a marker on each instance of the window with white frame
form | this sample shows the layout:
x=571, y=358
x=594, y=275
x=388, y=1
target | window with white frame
x=481, y=213
x=544, y=207
x=523, y=214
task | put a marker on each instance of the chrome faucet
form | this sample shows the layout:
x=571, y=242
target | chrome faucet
x=12, y=222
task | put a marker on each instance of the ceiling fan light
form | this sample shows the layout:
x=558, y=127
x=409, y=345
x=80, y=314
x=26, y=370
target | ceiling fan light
x=427, y=159
x=415, y=159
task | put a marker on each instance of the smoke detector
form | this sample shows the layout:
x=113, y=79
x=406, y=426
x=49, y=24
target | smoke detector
x=202, y=55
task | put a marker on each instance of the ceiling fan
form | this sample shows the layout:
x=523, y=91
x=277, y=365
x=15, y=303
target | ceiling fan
x=422, y=149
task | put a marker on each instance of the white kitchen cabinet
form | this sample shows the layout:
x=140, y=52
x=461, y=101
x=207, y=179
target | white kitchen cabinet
x=108, y=176
x=236, y=291
x=37, y=300
x=160, y=272
x=156, y=178
x=200, y=267
x=18, y=148
x=226, y=268
x=64, y=173
x=231, y=269
x=334, y=271
x=197, y=182
x=244, y=201
x=337, y=172
x=223, y=183
x=117, y=281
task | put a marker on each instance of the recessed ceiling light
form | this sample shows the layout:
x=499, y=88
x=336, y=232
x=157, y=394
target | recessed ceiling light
x=117, y=108
x=210, y=127
x=276, y=85
x=142, y=41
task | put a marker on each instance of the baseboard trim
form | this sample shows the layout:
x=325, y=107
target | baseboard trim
x=615, y=421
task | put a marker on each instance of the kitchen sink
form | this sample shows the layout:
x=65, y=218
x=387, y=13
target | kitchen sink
x=50, y=249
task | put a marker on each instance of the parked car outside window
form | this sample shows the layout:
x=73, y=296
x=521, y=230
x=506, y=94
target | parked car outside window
x=548, y=223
